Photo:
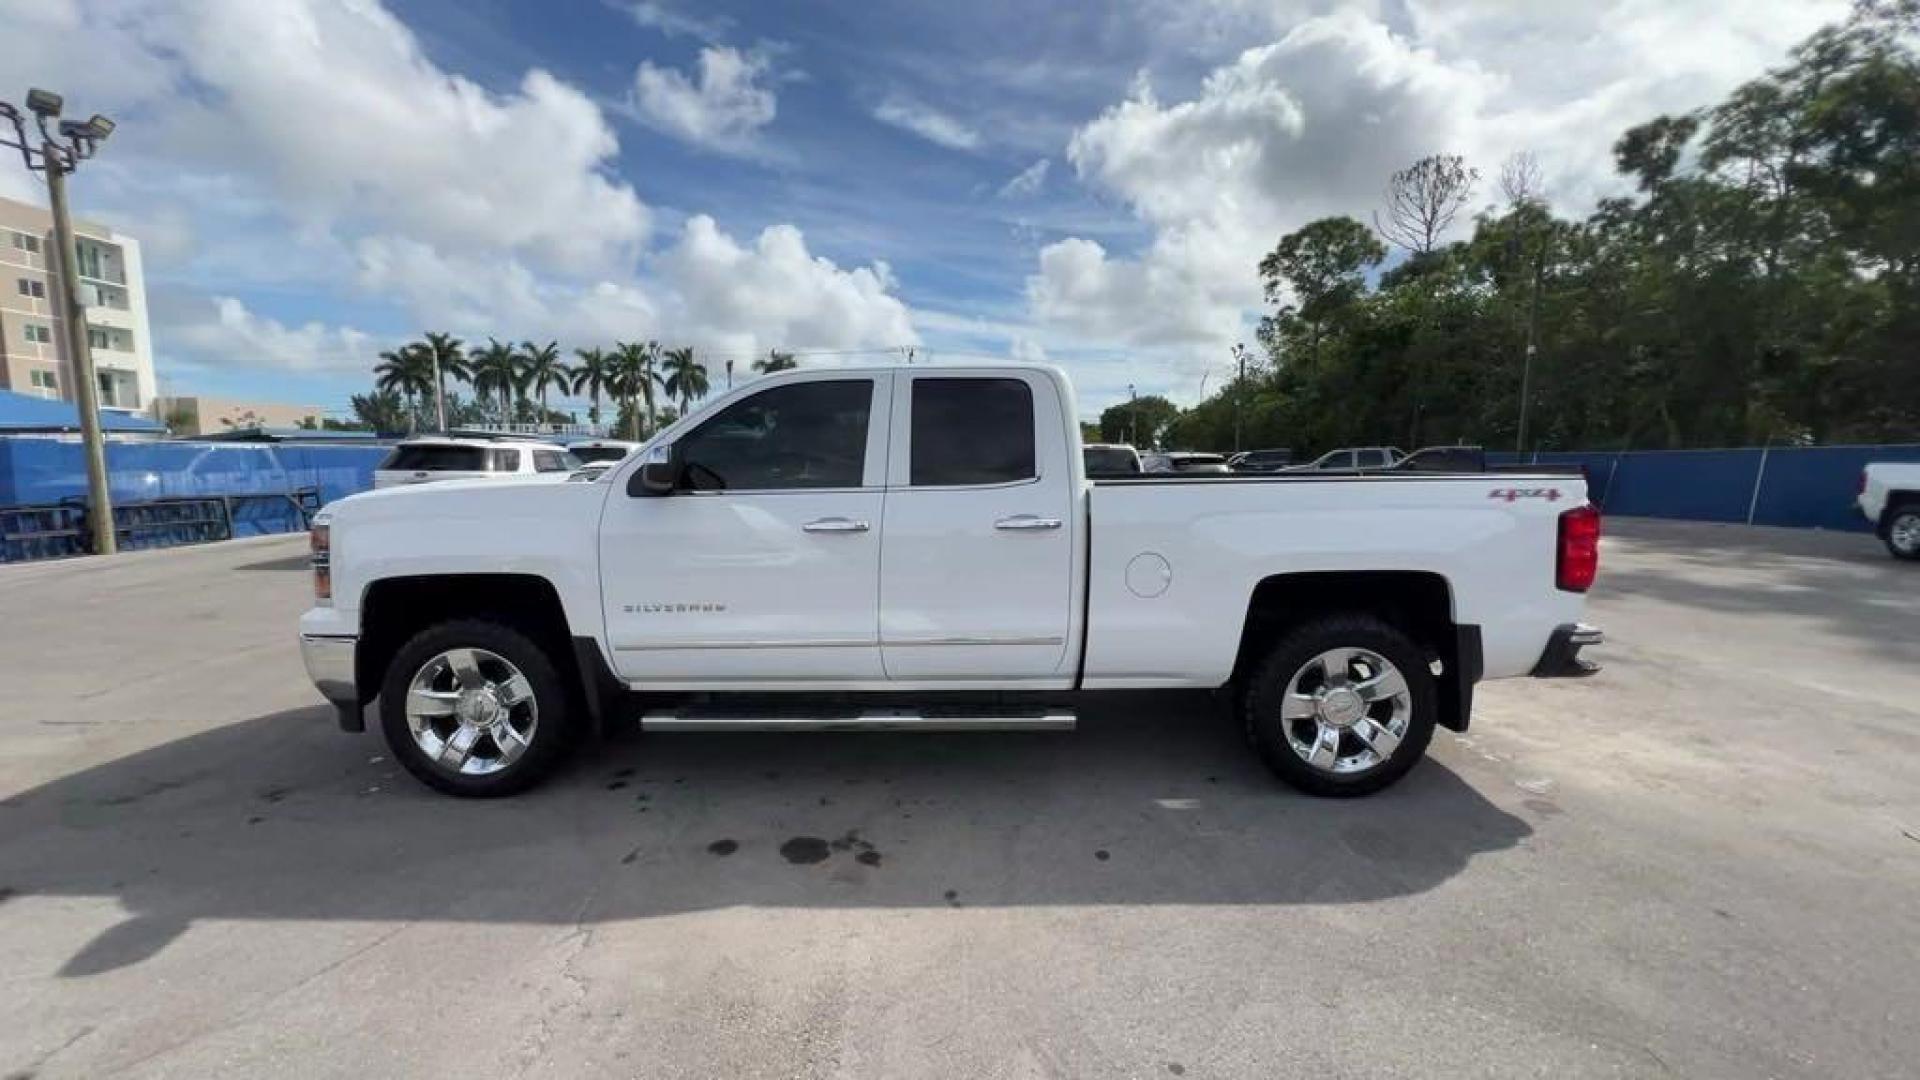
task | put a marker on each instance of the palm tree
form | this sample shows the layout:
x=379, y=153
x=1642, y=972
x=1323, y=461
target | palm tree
x=775, y=361
x=409, y=371
x=445, y=356
x=594, y=375
x=496, y=369
x=686, y=378
x=540, y=368
x=637, y=377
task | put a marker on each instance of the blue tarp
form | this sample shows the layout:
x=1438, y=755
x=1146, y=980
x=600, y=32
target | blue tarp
x=23, y=412
x=40, y=471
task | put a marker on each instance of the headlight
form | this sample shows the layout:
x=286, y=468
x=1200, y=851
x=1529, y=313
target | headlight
x=320, y=539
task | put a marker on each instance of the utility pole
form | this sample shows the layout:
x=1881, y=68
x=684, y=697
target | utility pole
x=57, y=160
x=1239, y=392
x=1133, y=417
x=1526, y=364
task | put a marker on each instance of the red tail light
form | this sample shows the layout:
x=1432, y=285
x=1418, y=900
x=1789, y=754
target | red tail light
x=1579, y=554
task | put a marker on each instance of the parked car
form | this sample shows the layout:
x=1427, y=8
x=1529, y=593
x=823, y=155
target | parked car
x=1260, y=460
x=1890, y=498
x=419, y=461
x=1183, y=461
x=1359, y=457
x=739, y=559
x=591, y=450
x=1444, y=459
x=1110, y=459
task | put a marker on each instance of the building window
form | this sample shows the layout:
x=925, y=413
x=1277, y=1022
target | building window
x=44, y=380
x=99, y=338
x=38, y=334
x=35, y=289
x=27, y=243
x=89, y=260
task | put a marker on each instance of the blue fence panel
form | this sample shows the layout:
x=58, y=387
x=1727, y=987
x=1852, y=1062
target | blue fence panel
x=1693, y=485
x=1813, y=487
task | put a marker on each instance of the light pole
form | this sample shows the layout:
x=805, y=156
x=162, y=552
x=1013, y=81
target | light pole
x=57, y=159
x=1239, y=391
x=1133, y=416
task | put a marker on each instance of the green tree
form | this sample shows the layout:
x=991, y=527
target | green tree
x=445, y=358
x=594, y=375
x=382, y=411
x=407, y=371
x=1323, y=266
x=1139, y=422
x=636, y=378
x=495, y=371
x=775, y=361
x=685, y=378
x=541, y=368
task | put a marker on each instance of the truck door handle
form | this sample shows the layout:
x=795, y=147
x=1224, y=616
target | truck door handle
x=1026, y=522
x=836, y=525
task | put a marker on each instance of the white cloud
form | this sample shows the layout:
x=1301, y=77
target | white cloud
x=734, y=298
x=723, y=109
x=705, y=289
x=1028, y=181
x=1313, y=124
x=219, y=332
x=927, y=122
x=334, y=109
x=674, y=22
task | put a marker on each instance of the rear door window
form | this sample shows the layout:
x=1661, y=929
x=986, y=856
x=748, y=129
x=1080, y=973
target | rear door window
x=551, y=461
x=505, y=460
x=431, y=458
x=971, y=432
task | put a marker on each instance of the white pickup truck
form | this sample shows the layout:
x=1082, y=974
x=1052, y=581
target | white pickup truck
x=1890, y=498
x=919, y=548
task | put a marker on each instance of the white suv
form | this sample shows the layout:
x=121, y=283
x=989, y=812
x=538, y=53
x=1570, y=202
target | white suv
x=418, y=461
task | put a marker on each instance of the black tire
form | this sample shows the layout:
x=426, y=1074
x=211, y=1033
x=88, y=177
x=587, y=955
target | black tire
x=1897, y=515
x=1264, y=689
x=551, y=735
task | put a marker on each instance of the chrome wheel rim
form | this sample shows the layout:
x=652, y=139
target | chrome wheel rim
x=1904, y=533
x=471, y=712
x=1346, y=711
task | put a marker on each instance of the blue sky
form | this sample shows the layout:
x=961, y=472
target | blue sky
x=315, y=180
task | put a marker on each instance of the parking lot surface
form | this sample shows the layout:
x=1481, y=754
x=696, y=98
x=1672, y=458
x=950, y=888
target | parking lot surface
x=1704, y=862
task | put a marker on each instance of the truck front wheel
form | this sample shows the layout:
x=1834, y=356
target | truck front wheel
x=1900, y=531
x=1341, y=706
x=473, y=707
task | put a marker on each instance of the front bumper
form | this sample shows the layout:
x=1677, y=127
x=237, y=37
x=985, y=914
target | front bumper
x=1561, y=660
x=330, y=664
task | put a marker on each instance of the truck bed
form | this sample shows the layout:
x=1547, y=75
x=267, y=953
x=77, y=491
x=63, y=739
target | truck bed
x=1169, y=554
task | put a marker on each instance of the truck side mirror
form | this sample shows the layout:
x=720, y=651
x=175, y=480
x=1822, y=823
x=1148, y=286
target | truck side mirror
x=659, y=474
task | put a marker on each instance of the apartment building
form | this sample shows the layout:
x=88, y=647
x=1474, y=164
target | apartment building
x=33, y=341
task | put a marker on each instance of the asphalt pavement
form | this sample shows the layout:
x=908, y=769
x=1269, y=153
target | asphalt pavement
x=1704, y=862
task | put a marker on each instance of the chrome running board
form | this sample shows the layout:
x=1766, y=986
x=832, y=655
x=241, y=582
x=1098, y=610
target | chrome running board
x=865, y=720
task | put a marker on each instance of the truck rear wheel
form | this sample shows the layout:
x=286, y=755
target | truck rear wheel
x=1900, y=531
x=473, y=707
x=1341, y=706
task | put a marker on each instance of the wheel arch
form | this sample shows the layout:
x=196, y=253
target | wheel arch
x=393, y=610
x=1418, y=602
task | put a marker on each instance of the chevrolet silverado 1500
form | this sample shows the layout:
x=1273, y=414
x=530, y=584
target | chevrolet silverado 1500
x=919, y=548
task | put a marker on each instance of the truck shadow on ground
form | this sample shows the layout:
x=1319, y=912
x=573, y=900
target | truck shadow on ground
x=1155, y=800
